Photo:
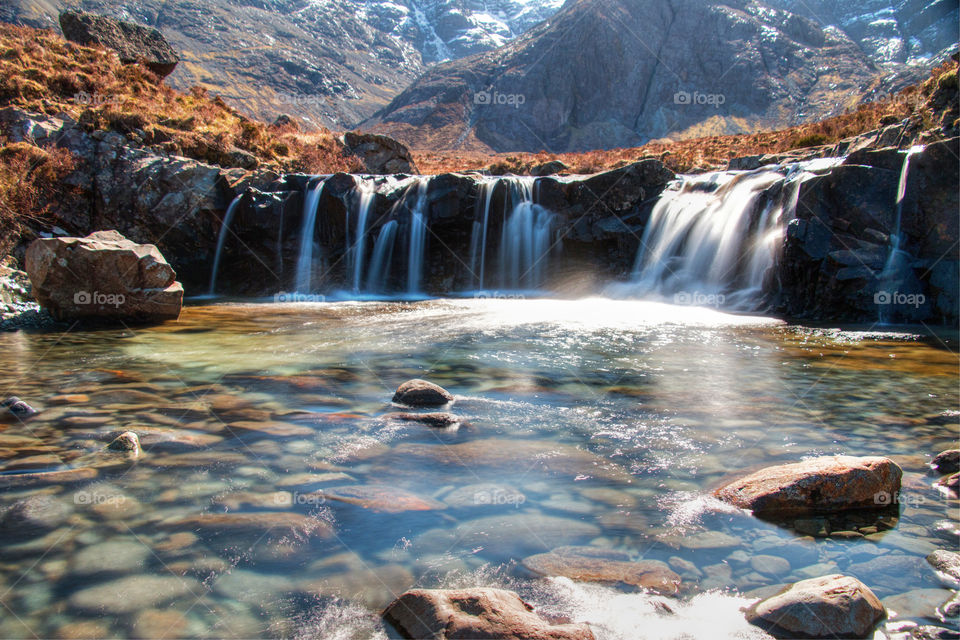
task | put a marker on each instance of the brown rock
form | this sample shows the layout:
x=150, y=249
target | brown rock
x=474, y=614
x=420, y=393
x=826, y=484
x=380, y=154
x=438, y=420
x=67, y=476
x=127, y=442
x=159, y=623
x=132, y=42
x=380, y=498
x=591, y=564
x=947, y=461
x=103, y=277
x=833, y=606
x=279, y=525
x=273, y=429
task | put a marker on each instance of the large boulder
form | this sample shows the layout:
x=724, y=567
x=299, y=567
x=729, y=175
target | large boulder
x=132, y=42
x=833, y=606
x=380, y=154
x=819, y=485
x=103, y=277
x=474, y=614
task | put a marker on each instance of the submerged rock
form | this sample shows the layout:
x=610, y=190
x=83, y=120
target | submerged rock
x=947, y=566
x=379, y=498
x=103, y=277
x=492, y=614
x=420, y=393
x=134, y=593
x=590, y=564
x=833, y=606
x=510, y=534
x=34, y=516
x=826, y=484
x=18, y=407
x=438, y=420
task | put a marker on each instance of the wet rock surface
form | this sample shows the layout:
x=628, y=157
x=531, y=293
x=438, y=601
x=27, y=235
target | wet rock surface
x=597, y=565
x=421, y=393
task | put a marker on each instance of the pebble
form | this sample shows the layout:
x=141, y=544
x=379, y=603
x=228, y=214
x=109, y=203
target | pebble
x=134, y=593
x=113, y=556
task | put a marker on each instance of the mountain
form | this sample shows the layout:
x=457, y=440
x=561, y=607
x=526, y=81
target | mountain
x=618, y=73
x=329, y=62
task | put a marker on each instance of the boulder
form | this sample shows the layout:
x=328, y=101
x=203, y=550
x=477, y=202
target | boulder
x=380, y=154
x=18, y=408
x=489, y=614
x=947, y=566
x=946, y=461
x=420, y=393
x=819, y=485
x=103, y=277
x=550, y=168
x=833, y=606
x=127, y=442
x=133, y=42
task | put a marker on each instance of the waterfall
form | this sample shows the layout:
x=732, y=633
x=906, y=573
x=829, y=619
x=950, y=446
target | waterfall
x=712, y=238
x=526, y=238
x=305, y=257
x=356, y=252
x=895, y=267
x=418, y=239
x=382, y=256
x=221, y=240
x=478, y=239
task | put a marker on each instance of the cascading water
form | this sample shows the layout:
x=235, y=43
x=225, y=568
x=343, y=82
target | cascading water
x=221, y=240
x=382, y=256
x=366, y=194
x=895, y=268
x=417, y=239
x=526, y=240
x=708, y=242
x=305, y=257
x=478, y=239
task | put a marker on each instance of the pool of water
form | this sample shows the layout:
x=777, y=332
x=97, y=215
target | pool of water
x=277, y=496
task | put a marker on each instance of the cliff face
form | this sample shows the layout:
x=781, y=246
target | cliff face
x=604, y=74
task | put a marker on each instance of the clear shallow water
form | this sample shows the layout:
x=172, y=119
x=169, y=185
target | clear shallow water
x=591, y=422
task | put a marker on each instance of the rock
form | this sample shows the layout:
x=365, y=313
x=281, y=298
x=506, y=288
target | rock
x=380, y=154
x=951, y=483
x=492, y=614
x=590, y=564
x=67, y=476
x=381, y=498
x=826, y=607
x=947, y=565
x=160, y=623
x=374, y=587
x=826, y=484
x=916, y=603
x=245, y=500
x=128, y=442
x=134, y=593
x=103, y=277
x=770, y=565
x=703, y=540
x=550, y=168
x=484, y=495
x=272, y=429
x=83, y=630
x=438, y=420
x=34, y=516
x=946, y=461
x=509, y=534
x=18, y=408
x=132, y=42
x=112, y=556
x=420, y=393
x=279, y=525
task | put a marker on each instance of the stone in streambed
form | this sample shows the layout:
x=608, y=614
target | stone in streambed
x=946, y=461
x=508, y=535
x=833, y=606
x=420, y=393
x=437, y=420
x=590, y=564
x=825, y=484
x=951, y=483
x=127, y=442
x=272, y=429
x=33, y=517
x=134, y=593
x=916, y=603
x=492, y=614
x=160, y=623
x=380, y=498
x=946, y=564
x=18, y=408
x=484, y=494
x=112, y=556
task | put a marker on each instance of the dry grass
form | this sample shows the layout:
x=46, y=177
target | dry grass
x=715, y=151
x=42, y=72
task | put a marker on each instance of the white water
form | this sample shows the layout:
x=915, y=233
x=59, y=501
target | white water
x=382, y=256
x=478, y=240
x=305, y=257
x=895, y=264
x=366, y=194
x=526, y=240
x=418, y=239
x=221, y=240
x=712, y=238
